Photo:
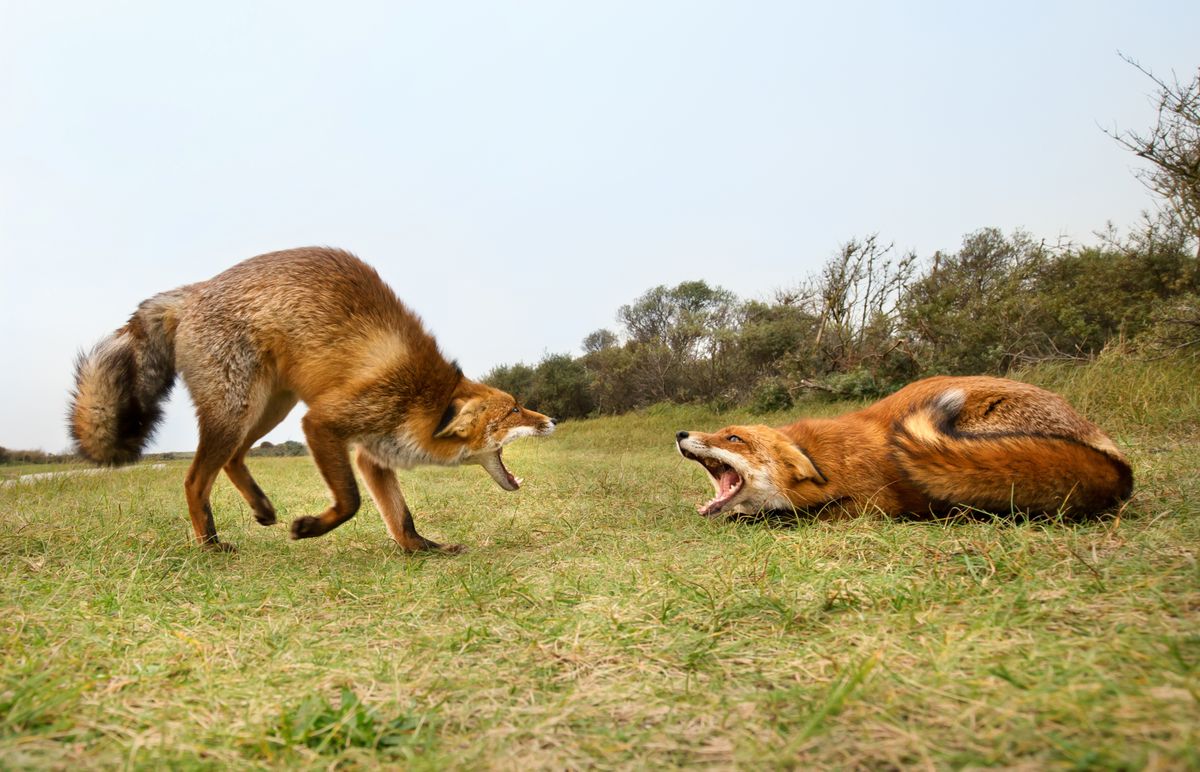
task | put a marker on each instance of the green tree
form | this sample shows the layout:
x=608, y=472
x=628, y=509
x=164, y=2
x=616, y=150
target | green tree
x=561, y=388
x=610, y=376
x=680, y=340
x=769, y=333
x=1085, y=297
x=859, y=291
x=971, y=313
x=600, y=340
x=516, y=379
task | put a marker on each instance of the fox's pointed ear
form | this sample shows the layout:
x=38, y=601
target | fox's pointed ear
x=804, y=468
x=457, y=419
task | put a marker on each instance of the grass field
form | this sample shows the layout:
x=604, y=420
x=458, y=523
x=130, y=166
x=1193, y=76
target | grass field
x=597, y=621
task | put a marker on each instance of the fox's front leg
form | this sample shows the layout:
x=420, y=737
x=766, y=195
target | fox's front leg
x=331, y=454
x=381, y=482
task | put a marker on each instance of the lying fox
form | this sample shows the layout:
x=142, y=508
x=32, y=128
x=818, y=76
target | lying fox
x=317, y=325
x=988, y=443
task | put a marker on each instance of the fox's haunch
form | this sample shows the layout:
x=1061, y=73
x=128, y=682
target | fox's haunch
x=1033, y=472
x=121, y=383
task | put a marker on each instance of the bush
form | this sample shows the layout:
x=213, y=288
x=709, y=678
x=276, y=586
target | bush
x=288, y=448
x=771, y=395
x=1172, y=328
x=872, y=320
x=858, y=384
x=516, y=379
x=561, y=388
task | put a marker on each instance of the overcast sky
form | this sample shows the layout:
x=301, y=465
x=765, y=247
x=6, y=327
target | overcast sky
x=517, y=171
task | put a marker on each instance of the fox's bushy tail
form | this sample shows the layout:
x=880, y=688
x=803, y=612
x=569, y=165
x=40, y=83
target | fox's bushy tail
x=121, y=383
x=1008, y=471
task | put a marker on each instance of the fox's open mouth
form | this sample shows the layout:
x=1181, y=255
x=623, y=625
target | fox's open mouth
x=499, y=472
x=725, y=479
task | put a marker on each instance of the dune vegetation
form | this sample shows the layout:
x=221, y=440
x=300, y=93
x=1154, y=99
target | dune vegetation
x=598, y=621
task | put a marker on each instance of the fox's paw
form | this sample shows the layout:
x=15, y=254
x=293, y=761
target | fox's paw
x=264, y=513
x=421, y=544
x=307, y=527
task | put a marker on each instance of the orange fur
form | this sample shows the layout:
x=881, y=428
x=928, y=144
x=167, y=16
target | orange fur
x=314, y=325
x=988, y=443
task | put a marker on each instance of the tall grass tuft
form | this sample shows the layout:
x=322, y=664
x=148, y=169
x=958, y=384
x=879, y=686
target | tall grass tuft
x=1126, y=393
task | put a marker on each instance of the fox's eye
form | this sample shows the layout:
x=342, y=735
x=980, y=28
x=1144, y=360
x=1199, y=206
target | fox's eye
x=516, y=410
x=734, y=438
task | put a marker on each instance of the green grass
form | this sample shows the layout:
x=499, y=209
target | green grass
x=598, y=621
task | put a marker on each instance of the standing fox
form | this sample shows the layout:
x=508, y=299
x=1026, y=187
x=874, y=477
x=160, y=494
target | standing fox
x=987, y=443
x=317, y=325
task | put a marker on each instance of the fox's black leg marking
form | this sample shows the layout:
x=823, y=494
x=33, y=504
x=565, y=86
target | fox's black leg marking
x=214, y=450
x=274, y=411
x=264, y=511
x=239, y=475
x=210, y=540
x=210, y=526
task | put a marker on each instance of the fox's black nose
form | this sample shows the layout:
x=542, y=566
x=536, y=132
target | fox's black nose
x=553, y=421
x=681, y=435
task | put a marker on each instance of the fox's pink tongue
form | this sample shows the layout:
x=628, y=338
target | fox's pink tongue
x=727, y=486
x=729, y=479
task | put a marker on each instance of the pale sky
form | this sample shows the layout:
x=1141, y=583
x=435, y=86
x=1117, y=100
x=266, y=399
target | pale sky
x=517, y=171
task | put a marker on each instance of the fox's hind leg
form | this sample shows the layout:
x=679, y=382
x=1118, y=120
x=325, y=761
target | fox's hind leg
x=385, y=490
x=276, y=409
x=216, y=446
x=223, y=372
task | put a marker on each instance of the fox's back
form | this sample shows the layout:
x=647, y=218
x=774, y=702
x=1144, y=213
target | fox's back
x=307, y=296
x=316, y=317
